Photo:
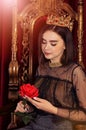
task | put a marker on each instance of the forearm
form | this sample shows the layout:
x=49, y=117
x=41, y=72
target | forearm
x=73, y=115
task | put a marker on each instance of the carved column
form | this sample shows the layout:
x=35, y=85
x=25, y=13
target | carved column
x=80, y=32
x=13, y=66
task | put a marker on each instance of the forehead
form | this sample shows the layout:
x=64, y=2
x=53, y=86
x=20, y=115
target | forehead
x=50, y=35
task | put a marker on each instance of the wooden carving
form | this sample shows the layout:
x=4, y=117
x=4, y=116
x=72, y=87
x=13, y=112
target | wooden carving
x=31, y=13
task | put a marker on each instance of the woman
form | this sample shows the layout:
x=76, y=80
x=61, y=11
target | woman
x=61, y=82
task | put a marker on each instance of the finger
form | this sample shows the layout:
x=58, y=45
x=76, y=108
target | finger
x=30, y=100
x=20, y=107
x=27, y=107
x=37, y=99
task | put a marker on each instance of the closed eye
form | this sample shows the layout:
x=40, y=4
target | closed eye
x=43, y=41
x=53, y=43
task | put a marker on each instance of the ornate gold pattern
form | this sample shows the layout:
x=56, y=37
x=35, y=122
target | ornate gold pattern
x=28, y=18
x=80, y=31
x=63, y=20
x=13, y=66
x=30, y=14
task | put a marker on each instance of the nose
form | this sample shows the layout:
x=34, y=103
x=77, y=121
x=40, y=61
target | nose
x=46, y=46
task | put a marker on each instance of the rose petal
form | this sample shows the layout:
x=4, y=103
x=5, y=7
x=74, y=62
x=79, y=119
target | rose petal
x=28, y=90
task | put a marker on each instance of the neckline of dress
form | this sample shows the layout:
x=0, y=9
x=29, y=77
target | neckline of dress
x=57, y=64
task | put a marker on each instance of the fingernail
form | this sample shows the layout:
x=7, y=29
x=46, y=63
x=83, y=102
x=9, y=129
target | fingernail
x=34, y=97
x=26, y=96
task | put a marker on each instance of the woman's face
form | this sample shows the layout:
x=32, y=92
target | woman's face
x=52, y=46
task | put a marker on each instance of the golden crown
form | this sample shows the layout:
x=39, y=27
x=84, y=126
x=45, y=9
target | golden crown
x=63, y=16
x=60, y=20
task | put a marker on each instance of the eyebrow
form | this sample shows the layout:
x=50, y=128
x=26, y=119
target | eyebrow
x=50, y=40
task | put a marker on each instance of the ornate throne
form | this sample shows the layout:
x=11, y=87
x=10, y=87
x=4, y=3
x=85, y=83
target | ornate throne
x=24, y=59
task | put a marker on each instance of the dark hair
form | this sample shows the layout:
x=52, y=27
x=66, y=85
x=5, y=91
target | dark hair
x=66, y=35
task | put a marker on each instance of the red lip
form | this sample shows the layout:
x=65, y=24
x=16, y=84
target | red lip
x=46, y=53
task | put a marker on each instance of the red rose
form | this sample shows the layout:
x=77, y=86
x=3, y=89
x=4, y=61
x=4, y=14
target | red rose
x=28, y=90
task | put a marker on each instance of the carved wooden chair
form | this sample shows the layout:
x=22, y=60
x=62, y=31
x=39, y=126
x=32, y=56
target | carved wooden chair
x=29, y=22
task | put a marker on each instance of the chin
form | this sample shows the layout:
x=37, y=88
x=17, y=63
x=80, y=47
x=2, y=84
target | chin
x=47, y=57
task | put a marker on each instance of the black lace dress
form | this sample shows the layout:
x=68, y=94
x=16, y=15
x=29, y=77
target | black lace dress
x=65, y=88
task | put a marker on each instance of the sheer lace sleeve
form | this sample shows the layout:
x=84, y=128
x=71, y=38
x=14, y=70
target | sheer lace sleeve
x=79, y=78
x=79, y=81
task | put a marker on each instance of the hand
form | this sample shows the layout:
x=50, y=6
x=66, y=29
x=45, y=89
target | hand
x=21, y=107
x=42, y=104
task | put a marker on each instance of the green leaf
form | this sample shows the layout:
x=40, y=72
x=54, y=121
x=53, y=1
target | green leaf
x=26, y=117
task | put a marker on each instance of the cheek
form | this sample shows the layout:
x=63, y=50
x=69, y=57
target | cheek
x=42, y=47
x=59, y=49
x=62, y=48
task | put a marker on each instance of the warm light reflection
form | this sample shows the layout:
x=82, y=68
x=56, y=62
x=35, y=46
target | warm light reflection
x=9, y=2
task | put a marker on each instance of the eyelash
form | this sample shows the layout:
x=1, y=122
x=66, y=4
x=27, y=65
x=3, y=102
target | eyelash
x=43, y=42
x=53, y=44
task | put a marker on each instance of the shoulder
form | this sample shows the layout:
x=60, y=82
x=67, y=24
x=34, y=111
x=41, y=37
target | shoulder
x=78, y=69
x=75, y=69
